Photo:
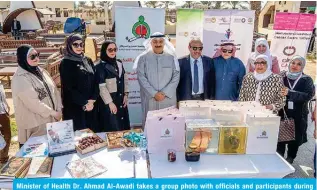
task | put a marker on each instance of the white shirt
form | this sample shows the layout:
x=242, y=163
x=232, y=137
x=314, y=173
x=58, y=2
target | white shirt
x=200, y=74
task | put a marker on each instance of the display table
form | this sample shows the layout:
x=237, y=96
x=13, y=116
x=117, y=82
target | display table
x=117, y=161
x=220, y=166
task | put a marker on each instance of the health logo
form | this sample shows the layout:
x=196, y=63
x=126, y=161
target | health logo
x=289, y=50
x=140, y=30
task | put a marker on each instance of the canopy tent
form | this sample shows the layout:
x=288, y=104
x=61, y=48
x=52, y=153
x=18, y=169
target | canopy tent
x=8, y=21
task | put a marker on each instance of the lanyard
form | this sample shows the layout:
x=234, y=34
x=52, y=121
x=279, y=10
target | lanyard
x=292, y=87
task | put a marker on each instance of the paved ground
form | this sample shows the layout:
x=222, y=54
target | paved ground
x=304, y=163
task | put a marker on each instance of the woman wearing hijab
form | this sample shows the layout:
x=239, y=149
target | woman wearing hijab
x=113, y=86
x=35, y=96
x=79, y=85
x=262, y=48
x=263, y=86
x=299, y=90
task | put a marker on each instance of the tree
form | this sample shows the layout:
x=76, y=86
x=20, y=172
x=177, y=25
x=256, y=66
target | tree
x=256, y=5
x=154, y=4
x=208, y=4
x=167, y=4
x=237, y=4
x=82, y=3
x=190, y=4
x=212, y=4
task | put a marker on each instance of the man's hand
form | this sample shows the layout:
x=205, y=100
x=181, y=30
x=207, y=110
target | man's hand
x=159, y=96
x=284, y=91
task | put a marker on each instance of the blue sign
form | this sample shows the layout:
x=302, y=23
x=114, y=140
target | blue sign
x=165, y=184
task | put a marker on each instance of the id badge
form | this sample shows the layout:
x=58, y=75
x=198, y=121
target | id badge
x=290, y=105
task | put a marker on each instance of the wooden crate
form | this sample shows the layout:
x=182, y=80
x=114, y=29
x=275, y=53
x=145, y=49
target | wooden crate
x=90, y=148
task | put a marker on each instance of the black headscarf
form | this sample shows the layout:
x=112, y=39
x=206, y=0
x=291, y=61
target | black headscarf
x=103, y=53
x=71, y=55
x=22, y=54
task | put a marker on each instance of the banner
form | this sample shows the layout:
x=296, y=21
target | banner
x=189, y=25
x=291, y=36
x=133, y=26
x=228, y=26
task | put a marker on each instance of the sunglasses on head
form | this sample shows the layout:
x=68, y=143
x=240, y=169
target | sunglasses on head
x=34, y=56
x=110, y=50
x=260, y=63
x=77, y=45
x=197, y=48
x=226, y=51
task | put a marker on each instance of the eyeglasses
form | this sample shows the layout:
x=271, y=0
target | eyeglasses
x=77, y=45
x=110, y=50
x=260, y=63
x=226, y=51
x=34, y=56
x=197, y=48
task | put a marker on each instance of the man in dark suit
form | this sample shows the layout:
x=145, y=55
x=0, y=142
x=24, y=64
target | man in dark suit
x=197, y=74
x=16, y=27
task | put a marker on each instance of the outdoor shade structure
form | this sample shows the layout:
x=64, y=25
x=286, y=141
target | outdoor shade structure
x=8, y=21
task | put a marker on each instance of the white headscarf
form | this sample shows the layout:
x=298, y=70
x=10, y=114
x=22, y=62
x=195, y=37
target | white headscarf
x=168, y=48
x=268, y=71
x=261, y=41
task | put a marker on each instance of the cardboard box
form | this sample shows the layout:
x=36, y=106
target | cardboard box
x=79, y=135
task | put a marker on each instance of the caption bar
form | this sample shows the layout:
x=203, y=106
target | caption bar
x=164, y=184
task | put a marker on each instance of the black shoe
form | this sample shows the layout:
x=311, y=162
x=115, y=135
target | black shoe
x=290, y=160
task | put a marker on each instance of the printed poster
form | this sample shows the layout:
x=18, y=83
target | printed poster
x=189, y=25
x=292, y=34
x=133, y=27
x=234, y=26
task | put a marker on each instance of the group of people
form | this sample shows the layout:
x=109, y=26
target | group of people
x=96, y=96
x=165, y=80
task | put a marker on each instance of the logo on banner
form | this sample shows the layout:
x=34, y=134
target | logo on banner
x=228, y=33
x=140, y=30
x=289, y=50
x=263, y=135
x=166, y=133
x=224, y=19
x=213, y=19
x=239, y=20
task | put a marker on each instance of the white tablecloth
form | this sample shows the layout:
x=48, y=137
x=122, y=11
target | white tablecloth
x=117, y=161
x=220, y=166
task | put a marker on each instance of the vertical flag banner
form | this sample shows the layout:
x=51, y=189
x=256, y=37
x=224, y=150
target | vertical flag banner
x=189, y=25
x=133, y=27
x=292, y=33
x=232, y=26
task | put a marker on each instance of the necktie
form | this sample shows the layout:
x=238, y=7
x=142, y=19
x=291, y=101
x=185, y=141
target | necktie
x=196, y=83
